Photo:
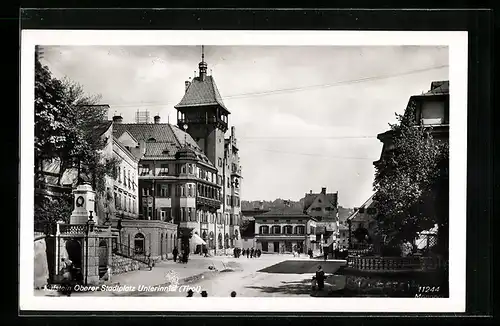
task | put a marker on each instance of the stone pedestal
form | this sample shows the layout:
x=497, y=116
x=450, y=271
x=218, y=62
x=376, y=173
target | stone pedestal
x=84, y=203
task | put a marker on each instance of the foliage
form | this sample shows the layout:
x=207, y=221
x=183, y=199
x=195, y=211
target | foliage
x=405, y=179
x=68, y=126
x=53, y=209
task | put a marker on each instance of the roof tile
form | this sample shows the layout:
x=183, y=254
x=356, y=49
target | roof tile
x=200, y=93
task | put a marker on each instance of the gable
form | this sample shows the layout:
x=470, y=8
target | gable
x=320, y=205
x=127, y=140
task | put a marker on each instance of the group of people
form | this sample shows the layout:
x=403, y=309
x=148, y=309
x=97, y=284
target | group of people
x=204, y=294
x=184, y=256
x=250, y=253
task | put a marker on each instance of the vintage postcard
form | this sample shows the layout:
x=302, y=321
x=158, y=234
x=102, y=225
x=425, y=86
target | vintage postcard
x=245, y=166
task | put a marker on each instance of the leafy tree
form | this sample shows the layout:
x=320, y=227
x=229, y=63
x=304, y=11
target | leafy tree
x=408, y=181
x=68, y=127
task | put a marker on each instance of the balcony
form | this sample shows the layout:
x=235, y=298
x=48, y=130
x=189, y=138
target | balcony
x=236, y=170
x=207, y=202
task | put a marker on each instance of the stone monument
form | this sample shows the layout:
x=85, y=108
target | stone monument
x=84, y=202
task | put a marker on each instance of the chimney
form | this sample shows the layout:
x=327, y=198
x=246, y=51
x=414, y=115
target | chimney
x=233, y=133
x=186, y=84
x=157, y=119
x=117, y=119
x=323, y=191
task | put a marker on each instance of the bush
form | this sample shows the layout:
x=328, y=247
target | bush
x=390, y=251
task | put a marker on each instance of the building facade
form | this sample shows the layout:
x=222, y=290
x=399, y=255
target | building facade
x=203, y=115
x=323, y=207
x=284, y=230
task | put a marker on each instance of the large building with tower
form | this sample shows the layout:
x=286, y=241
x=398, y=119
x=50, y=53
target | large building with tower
x=190, y=173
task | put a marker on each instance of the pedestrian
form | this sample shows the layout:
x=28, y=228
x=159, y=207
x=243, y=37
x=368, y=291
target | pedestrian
x=325, y=253
x=205, y=251
x=248, y=252
x=251, y=253
x=233, y=294
x=204, y=294
x=310, y=253
x=66, y=274
x=235, y=252
x=175, y=252
x=190, y=293
x=259, y=252
x=320, y=278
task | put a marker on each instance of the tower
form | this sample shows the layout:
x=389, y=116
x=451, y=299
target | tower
x=203, y=112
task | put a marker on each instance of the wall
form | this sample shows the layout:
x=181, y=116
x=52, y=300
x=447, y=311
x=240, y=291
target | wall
x=125, y=186
x=40, y=263
x=123, y=265
x=152, y=231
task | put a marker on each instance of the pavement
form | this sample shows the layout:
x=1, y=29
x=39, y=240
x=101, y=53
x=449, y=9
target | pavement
x=267, y=276
x=140, y=282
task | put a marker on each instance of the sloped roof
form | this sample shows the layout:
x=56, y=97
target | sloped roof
x=284, y=211
x=309, y=199
x=366, y=204
x=438, y=88
x=202, y=93
x=161, y=140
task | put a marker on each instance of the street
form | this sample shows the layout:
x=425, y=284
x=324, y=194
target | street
x=267, y=276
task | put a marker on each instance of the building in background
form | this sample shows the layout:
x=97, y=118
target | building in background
x=247, y=226
x=323, y=207
x=283, y=230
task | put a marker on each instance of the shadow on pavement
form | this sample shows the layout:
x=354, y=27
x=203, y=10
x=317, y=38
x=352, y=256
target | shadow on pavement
x=292, y=288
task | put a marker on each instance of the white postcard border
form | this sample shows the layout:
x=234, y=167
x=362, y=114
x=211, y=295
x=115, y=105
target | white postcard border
x=458, y=49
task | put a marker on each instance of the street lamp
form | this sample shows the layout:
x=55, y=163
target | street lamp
x=89, y=227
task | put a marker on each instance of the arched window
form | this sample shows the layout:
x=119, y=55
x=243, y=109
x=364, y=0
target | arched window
x=300, y=229
x=219, y=240
x=264, y=229
x=139, y=243
x=276, y=229
x=211, y=239
x=288, y=229
x=236, y=235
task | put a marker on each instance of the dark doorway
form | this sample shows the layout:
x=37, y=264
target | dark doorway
x=265, y=246
x=276, y=246
x=103, y=257
x=74, y=249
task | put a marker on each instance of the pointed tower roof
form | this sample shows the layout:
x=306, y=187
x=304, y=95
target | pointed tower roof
x=202, y=91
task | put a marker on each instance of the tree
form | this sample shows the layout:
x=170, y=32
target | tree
x=407, y=179
x=68, y=127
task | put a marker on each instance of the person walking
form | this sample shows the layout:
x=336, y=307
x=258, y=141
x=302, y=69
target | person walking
x=190, y=293
x=175, y=253
x=248, y=252
x=320, y=278
x=204, y=294
x=251, y=253
x=325, y=253
x=233, y=294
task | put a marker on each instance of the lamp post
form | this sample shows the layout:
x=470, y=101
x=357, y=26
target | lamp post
x=89, y=227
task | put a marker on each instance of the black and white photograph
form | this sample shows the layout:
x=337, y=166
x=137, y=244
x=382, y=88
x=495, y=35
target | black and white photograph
x=244, y=167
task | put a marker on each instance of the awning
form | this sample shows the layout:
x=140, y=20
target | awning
x=197, y=240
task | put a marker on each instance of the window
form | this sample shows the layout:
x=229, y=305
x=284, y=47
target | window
x=164, y=191
x=146, y=191
x=144, y=169
x=183, y=191
x=432, y=113
x=264, y=229
x=133, y=181
x=228, y=200
x=276, y=229
x=190, y=190
x=288, y=229
x=328, y=208
x=163, y=170
x=228, y=183
x=124, y=177
x=128, y=179
x=139, y=243
x=119, y=175
x=264, y=221
x=190, y=168
x=220, y=162
x=317, y=209
x=300, y=229
x=183, y=169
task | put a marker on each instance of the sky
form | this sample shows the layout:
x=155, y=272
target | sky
x=305, y=117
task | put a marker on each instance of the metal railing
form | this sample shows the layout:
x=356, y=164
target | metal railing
x=137, y=254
